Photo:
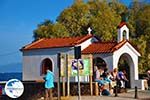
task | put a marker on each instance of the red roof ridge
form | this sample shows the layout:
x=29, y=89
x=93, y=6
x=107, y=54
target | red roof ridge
x=122, y=24
x=120, y=44
x=33, y=43
x=104, y=42
x=107, y=41
x=64, y=37
x=56, y=42
x=84, y=38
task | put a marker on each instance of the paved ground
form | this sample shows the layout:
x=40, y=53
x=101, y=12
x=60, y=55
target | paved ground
x=143, y=95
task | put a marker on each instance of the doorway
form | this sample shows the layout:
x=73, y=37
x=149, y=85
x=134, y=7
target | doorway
x=123, y=65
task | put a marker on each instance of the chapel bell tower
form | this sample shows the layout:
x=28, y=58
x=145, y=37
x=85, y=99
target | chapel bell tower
x=123, y=32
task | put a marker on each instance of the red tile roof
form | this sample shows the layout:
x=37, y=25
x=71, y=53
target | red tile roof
x=103, y=47
x=122, y=24
x=56, y=42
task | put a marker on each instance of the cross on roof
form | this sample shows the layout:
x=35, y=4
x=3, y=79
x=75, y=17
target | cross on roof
x=89, y=30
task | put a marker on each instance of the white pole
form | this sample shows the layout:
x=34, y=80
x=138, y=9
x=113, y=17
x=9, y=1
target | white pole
x=79, y=91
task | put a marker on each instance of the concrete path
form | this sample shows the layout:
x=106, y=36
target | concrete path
x=143, y=95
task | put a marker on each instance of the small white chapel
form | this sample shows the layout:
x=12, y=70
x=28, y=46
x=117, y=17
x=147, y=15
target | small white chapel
x=44, y=52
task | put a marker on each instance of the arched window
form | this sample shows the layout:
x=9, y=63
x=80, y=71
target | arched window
x=124, y=34
x=100, y=62
x=46, y=64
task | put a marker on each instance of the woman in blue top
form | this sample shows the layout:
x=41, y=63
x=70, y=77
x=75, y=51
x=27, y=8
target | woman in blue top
x=49, y=84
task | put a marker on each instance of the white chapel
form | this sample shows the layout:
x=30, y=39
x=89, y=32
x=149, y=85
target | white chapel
x=44, y=52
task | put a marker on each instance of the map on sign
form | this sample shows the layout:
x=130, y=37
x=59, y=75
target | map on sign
x=77, y=63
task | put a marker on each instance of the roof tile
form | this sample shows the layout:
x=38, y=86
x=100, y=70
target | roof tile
x=103, y=47
x=56, y=42
x=99, y=47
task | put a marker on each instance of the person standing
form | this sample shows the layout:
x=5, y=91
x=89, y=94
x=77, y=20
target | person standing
x=49, y=85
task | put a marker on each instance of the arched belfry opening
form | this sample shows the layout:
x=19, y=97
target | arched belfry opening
x=124, y=34
x=46, y=64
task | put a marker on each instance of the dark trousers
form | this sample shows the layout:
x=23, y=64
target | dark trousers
x=48, y=94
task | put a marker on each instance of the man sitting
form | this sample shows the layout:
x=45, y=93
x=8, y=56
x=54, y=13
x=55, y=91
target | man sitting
x=99, y=72
x=102, y=81
x=123, y=79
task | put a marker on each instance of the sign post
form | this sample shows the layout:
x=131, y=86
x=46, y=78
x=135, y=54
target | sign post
x=79, y=91
x=77, y=57
x=67, y=76
x=58, y=82
x=65, y=73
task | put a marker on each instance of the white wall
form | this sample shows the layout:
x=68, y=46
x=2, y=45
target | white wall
x=107, y=57
x=132, y=60
x=32, y=61
x=112, y=59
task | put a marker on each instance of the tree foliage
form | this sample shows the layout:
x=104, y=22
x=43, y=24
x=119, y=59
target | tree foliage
x=103, y=16
x=139, y=21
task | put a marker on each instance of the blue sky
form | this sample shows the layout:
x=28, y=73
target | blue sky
x=18, y=19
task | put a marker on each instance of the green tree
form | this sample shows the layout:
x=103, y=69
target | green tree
x=44, y=30
x=96, y=14
x=49, y=30
x=143, y=29
x=104, y=20
x=75, y=18
x=139, y=29
x=59, y=30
